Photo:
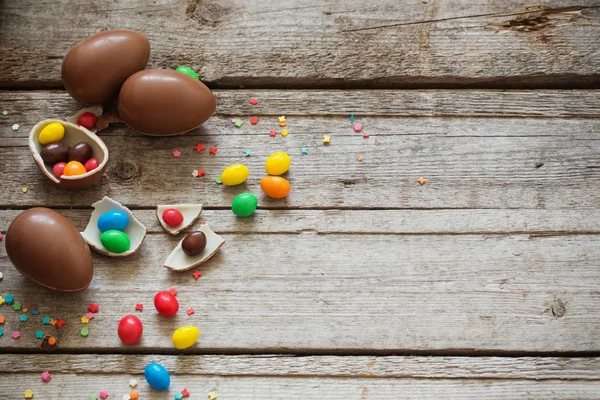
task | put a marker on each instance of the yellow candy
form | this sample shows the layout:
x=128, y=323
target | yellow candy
x=52, y=133
x=278, y=163
x=185, y=337
x=234, y=174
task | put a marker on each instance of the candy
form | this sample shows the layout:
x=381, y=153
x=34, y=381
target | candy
x=55, y=152
x=244, y=204
x=157, y=376
x=166, y=304
x=74, y=168
x=115, y=241
x=185, y=337
x=81, y=152
x=275, y=187
x=187, y=71
x=91, y=164
x=114, y=219
x=87, y=120
x=172, y=217
x=234, y=174
x=278, y=163
x=130, y=329
x=52, y=133
x=194, y=243
x=59, y=169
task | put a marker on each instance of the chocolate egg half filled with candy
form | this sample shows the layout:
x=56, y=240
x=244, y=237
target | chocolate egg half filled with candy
x=46, y=248
x=73, y=134
x=160, y=102
x=96, y=67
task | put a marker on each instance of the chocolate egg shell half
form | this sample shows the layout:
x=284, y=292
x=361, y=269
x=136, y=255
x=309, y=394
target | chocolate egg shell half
x=73, y=134
x=179, y=261
x=46, y=248
x=96, y=67
x=160, y=102
x=190, y=213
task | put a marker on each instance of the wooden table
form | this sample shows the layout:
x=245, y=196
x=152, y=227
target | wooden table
x=483, y=282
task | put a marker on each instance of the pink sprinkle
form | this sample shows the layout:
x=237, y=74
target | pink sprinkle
x=357, y=127
x=233, y=120
x=103, y=394
x=254, y=101
x=16, y=335
x=0, y=235
x=176, y=153
x=273, y=133
x=190, y=311
x=46, y=376
x=139, y=307
x=89, y=315
x=173, y=291
x=254, y=120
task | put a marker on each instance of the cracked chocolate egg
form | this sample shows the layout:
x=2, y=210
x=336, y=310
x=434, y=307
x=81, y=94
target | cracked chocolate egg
x=180, y=260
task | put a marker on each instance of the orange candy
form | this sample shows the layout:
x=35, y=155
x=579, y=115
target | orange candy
x=74, y=168
x=275, y=187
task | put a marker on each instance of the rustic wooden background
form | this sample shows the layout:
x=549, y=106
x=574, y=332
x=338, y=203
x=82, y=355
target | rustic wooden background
x=362, y=284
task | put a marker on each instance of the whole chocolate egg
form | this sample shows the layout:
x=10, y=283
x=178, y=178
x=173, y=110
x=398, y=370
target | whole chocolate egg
x=46, y=248
x=96, y=67
x=162, y=102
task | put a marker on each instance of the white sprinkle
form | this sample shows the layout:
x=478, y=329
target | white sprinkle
x=126, y=397
x=132, y=383
x=15, y=127
x=1, y=276
x=195, y=173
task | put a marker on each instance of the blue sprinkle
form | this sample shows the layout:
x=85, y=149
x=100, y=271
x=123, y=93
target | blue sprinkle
x=178, y=396
x=35, y=312
x=1, y=332
x=247, y=153
x=39, y=334
x=46, y=320
x=23, y=317
x=304, y=150
x=351, y=118
x=9, y=299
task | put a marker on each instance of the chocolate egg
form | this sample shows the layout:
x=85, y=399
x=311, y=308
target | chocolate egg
x=162, y=102
x=81, y=152
x=54, y=153
x=46, y=248
x=96, y=67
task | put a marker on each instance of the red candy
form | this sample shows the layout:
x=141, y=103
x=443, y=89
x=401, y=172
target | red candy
x=58, y=169
x=172, y=217
x=166, y=304
x=130, y=329
x=87, y=120
x=91, y=164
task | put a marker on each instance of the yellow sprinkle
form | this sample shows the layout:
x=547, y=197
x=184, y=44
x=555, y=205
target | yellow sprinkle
x=85, y=320
x=326, y=139
x=28, y=394
x=212, y=396
x=281, y=119
x=2, y=301
x=284, y=132
x=360, y=158
x=24, y=189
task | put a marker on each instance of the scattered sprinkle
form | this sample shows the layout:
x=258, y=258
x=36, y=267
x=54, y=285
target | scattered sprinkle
x=28, y=394
x=89, y=315
x=2, y=301
x=16, y=306
x=247, y=153
x=16, y=335
x=139, y=307
x=176, y=153
x=195, y=173
x=93, y=397
x=93, y=308
x=15, y=127
x=213, y=150
x=284, y=132
x=201, y=172
x=35, y=312
x=103, y=394
x=85, y=320
x=422, y=180
x=254, y=101
x=46, y=320
x=238, y=123
x=365, y=135
x=218, y=180
x=84, y=332
x=1, y=275
x=23, y=317
x=134, y=395
x=53, y=322
x=178, y=396
x=190, y=311
x=199, y=147
x=173, y=291
x=39, y=334
x=185, y=392
x=51, y=340
x=304, y=150
x=212, y=396
x=25, y=310
x=351, y=118
x=126, y=397
x=273, y=133
x=9, y=298
x=233, y=120
x=326, y=139
x=0, y=235
x=46, y=376
x=1, y=332
x=5, y=113
x=357, y=127
x=281, y=119
x=282, y=124
x=132, y=383
x=182, y=134
x=61, y=322
x=253, y=120
x=360, y=158
x=1, y=319
x=196, y=274
x=24, y=190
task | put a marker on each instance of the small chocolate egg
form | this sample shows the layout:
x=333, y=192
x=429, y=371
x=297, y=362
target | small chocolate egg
x=55, y=152
x=160, y=102
x=46, y=248
x=194, y=243
x=81, y=152
x=96, y=67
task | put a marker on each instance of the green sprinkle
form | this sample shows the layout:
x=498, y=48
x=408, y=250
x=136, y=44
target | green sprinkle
x=238, y=123
x=16, y=306
x=5, y=113
x=218, y=180
x=93, y=397
x=84, y=332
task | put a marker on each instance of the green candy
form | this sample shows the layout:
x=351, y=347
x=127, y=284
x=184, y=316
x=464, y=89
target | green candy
x=115, y=241
x=244, y=204
x=188, y=71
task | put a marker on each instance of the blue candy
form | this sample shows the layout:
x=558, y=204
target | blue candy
x=113, y=220
x=157, y=376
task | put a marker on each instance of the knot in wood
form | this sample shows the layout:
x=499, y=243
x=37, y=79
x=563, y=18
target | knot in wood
x=124, y=171
x=558, y=308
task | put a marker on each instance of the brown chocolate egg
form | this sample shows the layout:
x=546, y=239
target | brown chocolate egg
x=46, y=248
x=96, y=67
x=162, y=102
x=81, y=152
x=55, y=152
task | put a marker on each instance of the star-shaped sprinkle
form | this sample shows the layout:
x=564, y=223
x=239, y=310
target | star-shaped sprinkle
x=326, y=139
x=422, y=180
x=46, y=376
x=84, y=332
x=185, y=392
x=238, y=123
x=23, y=317
x=16, y=306
x=201, y=173
x=15, y=335
x=103, y=394
x=178, y=396
x=93, y=397
x=46, y=320
x=273, y=133
x=195, y=173
x=28, y=394
x=60, y=323
x=132, y=383
x=199, y=147
x=247, y=153
x=93, y=308
x=126, y=397
x=35, y=312
x=212, y=396
x=85, y=320
x=304, y=150
x=253, y=120
x=253, y=101
x=357, y=128
x=196, y=274
x=213, y=150
x=2, y=301
x=282, y=118
x=173, y=291
x=284, y=132
x=39, y=334
x=190, y=311
x=15, y=127
x=139, y=307
x=9, y=299
x=176, y=153
x=89, y=315
x=134, y=395
x=53, y=322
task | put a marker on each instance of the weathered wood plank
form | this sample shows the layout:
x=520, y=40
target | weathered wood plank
x=321, y=43
x=525, y=368
x=344, y=293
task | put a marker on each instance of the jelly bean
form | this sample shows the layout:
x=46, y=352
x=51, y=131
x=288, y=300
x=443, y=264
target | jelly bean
x=172, y=217
x=194, y=243
x=166, y=304
x=87, y=120
x=91, y=164
x=157, y=376
x=275, y=187
x=244, y=204
x=115, y=241
x=52, y=133
x=185, y=337
x=188, y=71
x=59, y=169
x=130, y=329
x=114, y=219
x=81, y=152
x=278, y=163
x=234, y=174
x=55, y=152
x=74, y=168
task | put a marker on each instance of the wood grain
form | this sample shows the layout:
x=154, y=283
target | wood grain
x=313, y=43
